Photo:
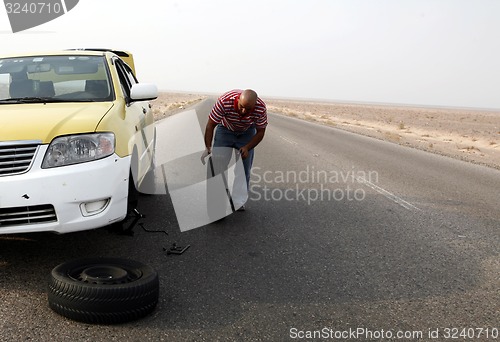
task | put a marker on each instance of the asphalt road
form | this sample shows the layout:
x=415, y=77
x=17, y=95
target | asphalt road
x=342, y=234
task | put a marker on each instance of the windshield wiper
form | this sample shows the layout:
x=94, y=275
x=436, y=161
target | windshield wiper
x=31, y=99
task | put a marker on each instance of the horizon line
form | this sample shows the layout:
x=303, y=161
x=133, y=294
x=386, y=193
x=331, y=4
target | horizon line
x=348, y=102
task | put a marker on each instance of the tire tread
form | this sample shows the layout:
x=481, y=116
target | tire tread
x=103, y=304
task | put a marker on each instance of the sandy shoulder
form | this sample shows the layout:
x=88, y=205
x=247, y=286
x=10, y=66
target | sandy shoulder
x=468, y=135
x=168, y=104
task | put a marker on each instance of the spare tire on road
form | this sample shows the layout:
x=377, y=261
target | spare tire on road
x=103, y=290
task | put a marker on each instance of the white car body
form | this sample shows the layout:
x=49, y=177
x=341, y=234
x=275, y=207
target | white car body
x=66, y=159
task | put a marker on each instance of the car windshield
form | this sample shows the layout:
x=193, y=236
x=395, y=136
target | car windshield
x=65, y=78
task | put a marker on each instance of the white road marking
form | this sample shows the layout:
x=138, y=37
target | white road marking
x=388, y=195
x=288, y=140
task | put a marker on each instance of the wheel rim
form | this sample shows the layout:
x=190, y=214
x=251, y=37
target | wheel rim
x=105, y=274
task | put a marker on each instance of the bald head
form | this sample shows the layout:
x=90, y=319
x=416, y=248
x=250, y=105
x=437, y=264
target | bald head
x=249, y=96
x=247, y=102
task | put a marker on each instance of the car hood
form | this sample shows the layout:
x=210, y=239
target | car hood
x=38, y=121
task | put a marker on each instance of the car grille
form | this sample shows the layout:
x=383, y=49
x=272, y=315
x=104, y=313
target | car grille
x=16, y=157
x=34, y=214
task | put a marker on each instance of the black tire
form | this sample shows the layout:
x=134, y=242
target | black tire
x=133, y=195
x=148, y=185
x=103, y=290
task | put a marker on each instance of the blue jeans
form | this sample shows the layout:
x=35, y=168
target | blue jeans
x=226, y=138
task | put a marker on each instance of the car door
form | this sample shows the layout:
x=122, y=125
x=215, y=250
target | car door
x=140, y=113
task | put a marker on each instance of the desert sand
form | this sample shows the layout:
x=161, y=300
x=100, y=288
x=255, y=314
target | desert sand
x=470, y=135
x=168, y=104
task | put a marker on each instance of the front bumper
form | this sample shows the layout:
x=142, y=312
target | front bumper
x=83, y=196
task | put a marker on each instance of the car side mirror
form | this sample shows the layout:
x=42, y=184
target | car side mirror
x=143, y=92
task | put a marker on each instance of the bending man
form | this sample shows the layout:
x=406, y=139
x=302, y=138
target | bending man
x=240, y=117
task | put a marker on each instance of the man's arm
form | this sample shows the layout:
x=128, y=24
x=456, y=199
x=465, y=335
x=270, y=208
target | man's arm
x=257, y=138
x=209, y=134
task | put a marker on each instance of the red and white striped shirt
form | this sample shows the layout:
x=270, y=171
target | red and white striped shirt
x=225, y=112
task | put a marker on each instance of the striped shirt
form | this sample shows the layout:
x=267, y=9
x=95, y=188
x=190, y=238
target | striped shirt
x=225, y=112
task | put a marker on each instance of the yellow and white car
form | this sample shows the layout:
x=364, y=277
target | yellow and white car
x=75, y=125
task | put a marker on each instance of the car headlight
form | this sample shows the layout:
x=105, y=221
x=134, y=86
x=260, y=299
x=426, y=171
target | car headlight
x=74, y=149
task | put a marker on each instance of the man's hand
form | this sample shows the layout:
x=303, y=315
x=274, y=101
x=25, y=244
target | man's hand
x=244, y=152
x=257, y=138
x=205, y=155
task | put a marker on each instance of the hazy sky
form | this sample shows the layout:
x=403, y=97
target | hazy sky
x=431, y=52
